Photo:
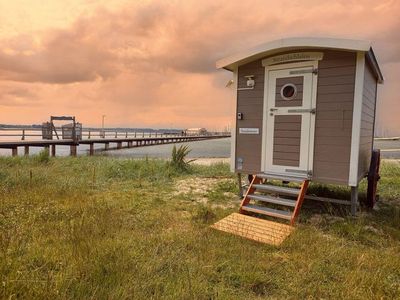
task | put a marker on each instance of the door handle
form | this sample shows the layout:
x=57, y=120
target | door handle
x=273, y=109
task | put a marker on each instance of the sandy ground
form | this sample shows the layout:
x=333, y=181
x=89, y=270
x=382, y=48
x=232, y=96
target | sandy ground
x=198, y=188
x=210, y=161
x=392, y=160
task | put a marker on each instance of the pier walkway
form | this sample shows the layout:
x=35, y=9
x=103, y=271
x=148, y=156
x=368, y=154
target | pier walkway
x=121, y=142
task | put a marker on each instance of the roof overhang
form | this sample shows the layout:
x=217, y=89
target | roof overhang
x=232, y=62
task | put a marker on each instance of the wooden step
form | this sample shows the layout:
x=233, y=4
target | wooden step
x=277, y=189
x=280, y=177
x=268, y=211
x=256, y=229
x=273, y=200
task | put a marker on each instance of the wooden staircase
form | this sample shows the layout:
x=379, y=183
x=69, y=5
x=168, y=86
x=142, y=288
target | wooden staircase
x=263, y=199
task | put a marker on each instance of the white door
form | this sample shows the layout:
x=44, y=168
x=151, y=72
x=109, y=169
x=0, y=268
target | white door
x=290, y=118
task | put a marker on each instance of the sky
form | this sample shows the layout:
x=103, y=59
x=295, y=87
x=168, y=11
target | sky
x=152, y=63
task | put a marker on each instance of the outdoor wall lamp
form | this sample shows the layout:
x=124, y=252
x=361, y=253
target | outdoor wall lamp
x=250, y=83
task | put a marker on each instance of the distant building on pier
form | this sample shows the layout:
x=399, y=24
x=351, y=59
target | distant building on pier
x=196, y=131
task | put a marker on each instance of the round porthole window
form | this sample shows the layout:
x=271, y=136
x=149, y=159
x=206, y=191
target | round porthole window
x=288, y=91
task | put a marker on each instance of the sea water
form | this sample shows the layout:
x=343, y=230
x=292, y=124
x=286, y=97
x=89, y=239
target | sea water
x=206, y=149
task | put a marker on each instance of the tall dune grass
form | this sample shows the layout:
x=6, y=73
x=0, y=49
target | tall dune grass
x=101, y=228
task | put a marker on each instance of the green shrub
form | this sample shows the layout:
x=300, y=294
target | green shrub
x=178, y=158
x=43, y=156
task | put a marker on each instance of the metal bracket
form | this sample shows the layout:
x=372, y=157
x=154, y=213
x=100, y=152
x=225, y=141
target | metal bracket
x=302, y=110
x=246, y=88
x=304, y=71
x=305, y=172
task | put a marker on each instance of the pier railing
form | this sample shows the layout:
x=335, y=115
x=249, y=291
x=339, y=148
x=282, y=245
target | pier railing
x=87, y=133
x=90, y=136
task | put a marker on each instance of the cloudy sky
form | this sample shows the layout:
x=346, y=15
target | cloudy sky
x=152, y=63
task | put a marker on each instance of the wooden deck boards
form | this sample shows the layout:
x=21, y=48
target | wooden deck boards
x=256, y=229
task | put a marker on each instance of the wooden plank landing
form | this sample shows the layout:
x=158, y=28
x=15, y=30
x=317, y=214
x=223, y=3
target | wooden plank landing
x=256, y=229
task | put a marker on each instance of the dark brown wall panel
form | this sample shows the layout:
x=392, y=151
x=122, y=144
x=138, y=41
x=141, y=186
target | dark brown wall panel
x=367, y=121
x=333, y=120
x=250, y=103
x=286, y=150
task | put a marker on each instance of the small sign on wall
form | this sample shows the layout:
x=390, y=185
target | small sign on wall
x=292, y=57
x=249, y=131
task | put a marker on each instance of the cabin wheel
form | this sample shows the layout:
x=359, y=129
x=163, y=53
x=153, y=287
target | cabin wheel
x=373, y=178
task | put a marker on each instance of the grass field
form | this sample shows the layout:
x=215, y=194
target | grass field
x=102, y=228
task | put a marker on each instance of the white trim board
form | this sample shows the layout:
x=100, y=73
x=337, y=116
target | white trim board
x=265, y=157
x=234, y=121
x=357, y=111
x=292, y=57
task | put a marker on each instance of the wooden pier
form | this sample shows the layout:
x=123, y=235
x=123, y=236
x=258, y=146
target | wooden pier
x=120, y=142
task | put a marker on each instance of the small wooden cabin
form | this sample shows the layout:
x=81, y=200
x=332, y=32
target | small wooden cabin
x=305, y=107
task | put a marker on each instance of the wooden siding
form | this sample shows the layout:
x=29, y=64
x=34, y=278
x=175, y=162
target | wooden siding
x=250, y=103
x=367, y=121
x=333, y=125
x=333, y=120
x=287, y=133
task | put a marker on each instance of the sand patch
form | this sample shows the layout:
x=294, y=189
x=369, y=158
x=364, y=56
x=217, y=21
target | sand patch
x=212, y=160
x=199, y=190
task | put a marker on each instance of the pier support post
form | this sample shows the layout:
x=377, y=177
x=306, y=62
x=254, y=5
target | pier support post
x=15, y=151
x=354, y=200
x=130, y=144
x=91, y=149
x=26, y=150
x=119, y=145
x=53, y=150
x=47, y=148
x=106, y=146
x=73, y=150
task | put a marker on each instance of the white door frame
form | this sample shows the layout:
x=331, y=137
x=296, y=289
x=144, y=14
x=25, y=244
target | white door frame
x=307, y=64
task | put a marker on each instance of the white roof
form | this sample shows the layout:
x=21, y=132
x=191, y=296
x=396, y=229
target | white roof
x=233, y=61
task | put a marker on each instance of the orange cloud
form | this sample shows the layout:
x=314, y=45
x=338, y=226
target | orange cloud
x=152, y=63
